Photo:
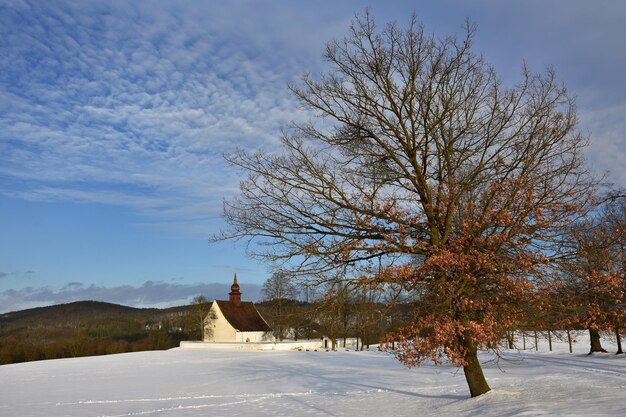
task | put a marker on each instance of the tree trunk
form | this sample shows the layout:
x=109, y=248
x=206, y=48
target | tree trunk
x=596, y=346
x=536, y=341
x=619, y=341
x=569, y=341
x=550, y=340
x=509, y=339
x=473, y=371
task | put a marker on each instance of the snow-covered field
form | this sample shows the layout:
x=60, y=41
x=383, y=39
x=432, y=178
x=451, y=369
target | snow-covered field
x=187, y=382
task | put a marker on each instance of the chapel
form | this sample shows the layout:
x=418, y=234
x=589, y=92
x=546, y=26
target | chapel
x=235, y=320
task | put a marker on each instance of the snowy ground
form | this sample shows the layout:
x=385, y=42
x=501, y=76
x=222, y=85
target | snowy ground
x=182, y=382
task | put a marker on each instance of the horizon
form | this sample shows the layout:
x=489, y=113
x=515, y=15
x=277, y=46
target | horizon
x=114, y=119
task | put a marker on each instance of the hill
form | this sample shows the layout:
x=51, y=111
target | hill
x=81, y=311
x=86, y=328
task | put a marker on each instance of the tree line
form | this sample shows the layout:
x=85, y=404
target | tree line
x=340, y=311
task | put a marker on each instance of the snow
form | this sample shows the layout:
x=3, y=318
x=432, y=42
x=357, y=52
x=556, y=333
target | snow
x=192, y=382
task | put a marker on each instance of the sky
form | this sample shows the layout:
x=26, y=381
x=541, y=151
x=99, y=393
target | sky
x=115, y=116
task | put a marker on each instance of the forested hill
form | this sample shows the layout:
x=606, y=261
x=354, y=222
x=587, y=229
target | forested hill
x=90, y=328
x=79, y=311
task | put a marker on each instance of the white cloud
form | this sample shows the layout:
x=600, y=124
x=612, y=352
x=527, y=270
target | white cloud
x=607, y=151
x=132, y=104
x=134, y=107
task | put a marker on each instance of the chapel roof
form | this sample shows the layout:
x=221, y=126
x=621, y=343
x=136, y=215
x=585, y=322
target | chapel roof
x=243, y=316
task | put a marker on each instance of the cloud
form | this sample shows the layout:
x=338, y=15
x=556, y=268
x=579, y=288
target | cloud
x=17, y=274
x=133, y=105
x=128, y=104
x=149, y=294
x=607, y=151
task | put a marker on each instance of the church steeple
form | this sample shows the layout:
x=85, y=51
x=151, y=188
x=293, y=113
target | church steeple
x=234, y=294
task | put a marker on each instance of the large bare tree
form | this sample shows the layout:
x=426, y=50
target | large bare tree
x=420, y=153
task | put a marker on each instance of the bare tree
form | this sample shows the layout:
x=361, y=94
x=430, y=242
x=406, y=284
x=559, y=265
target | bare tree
x=422, y=152
x=369, y=316
x=334, y=312
x=200, y=307
x=280, y=290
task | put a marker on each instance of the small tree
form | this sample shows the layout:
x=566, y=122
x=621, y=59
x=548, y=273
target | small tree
x=200, y=307
x=334, y=312
x=596, y=274
x=280, y=291
x=369, y=316
x=616, y=217
x=423, y=153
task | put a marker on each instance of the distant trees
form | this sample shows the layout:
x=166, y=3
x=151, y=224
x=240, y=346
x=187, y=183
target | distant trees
x=594, y=278
x=423, y=152
x=52, y=342
x=616, y=217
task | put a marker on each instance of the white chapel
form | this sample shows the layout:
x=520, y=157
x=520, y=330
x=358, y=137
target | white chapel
x=235, y=320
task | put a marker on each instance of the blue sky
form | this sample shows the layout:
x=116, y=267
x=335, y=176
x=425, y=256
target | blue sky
x=114, y=117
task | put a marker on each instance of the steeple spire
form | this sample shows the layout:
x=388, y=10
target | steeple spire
x=235, y=294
